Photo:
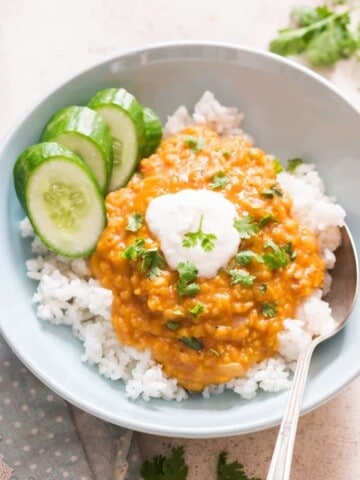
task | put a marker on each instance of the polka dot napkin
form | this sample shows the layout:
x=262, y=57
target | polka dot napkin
x=43, y=437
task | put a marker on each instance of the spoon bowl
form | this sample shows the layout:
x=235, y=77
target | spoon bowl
x=341, y=297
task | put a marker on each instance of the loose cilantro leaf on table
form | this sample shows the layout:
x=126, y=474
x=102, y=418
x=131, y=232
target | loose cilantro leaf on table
x=231, y=471
x=241, y=277
x=246, y=226
x=135, y=222
x=323, y=34
x=194, y=143
x=219, y=180
x=206, y=240
x=166, y=468
x=186, y=286
x=278, y=258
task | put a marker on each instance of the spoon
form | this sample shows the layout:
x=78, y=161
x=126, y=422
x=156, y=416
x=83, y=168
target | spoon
x=341, y=299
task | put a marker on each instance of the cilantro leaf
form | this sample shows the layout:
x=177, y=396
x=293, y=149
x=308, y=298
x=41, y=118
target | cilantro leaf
x=263, y=288
x=271, y=192
x=173, y=325
x=231, y=471
x=290, y=250
x=246, y=226
x=323, y=33
x=269, y=309
x=133, y=251
x=267, y=218
x=247, y=256
x=194, y=143
x=166, y=468
x=219, y=180
x=185, y=285
x=135, y=222
x=293, y=163
x=278, y=258
x=197, y=309
x=206, y=240
x=152, y=262
x=192, y=342
x=241, y=277
x=277, y=166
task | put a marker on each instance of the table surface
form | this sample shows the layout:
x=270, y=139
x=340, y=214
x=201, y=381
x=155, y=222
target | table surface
x=43, y=42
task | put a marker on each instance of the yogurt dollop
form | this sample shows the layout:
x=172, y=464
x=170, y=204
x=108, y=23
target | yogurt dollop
x=170, y=217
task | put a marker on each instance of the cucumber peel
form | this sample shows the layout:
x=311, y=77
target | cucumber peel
x=124, y=117
x=153, y=131
x=86, y=134
x=61, y=197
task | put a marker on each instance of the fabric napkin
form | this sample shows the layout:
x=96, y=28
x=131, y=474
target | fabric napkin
x=42, y=437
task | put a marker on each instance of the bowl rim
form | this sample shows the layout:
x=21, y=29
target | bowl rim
x=133, y=423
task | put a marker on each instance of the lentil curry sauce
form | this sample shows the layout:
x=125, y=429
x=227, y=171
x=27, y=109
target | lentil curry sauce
x=237, y=324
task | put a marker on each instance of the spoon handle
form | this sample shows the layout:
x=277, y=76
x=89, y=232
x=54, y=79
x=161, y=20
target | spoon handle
x=280, y=466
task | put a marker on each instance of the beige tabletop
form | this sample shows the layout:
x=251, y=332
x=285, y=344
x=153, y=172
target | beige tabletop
x=43, y=41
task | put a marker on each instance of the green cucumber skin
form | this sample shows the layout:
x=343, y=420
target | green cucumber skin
x=120, y=98
x=85, y=122
x=27, y=163
x=153, y=131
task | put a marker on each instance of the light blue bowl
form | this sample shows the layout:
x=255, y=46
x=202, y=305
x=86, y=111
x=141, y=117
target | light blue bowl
x=291, y=112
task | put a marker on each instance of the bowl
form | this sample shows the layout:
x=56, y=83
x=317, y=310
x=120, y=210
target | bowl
x=291, y=112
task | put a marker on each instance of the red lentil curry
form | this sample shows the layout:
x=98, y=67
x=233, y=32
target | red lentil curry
x=216, y=334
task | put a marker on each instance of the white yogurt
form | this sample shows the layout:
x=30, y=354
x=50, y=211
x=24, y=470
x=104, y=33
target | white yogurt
x=170, y=217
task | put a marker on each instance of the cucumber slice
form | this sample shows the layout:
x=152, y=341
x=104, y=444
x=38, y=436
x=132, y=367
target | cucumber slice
x=61, y=197
x=124, y=116
x=85, y=133
x=153, y=131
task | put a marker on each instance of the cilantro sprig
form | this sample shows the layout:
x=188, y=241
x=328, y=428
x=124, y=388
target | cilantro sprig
x=166, y=468
x=151, y=259
x=205, y=240
x=245, y=257
x=231, y=471
x=186, y=286
x=277, y=258
x=242, y=277
x=323, y=34
x=135, y=222
x=246, y=226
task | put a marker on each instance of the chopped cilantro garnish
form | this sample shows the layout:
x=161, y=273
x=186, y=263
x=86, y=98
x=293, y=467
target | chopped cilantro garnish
x=290, y=251
x=166, y=468
x=173, y=325
x=265, y=220
x=263, y=288
x=293, y=163
x=269, y=309
x=278, y=258
x=197, y=309
x=271, y=192
x=246, y=256
x=219, y=180
x=135, y=222
x=246, y=226
x=206, y=240
x=152, y=260
x=230, y=471
x=192, y=342
x=194, y=143
x=185, y=286
x=277, y=166
x=241, y=277
x=226, y=153
x=133, y=251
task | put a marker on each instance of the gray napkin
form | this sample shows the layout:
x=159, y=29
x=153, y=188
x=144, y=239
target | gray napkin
x=44, y=438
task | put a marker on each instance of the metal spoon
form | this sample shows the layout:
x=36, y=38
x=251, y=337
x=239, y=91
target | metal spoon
x=341, y=299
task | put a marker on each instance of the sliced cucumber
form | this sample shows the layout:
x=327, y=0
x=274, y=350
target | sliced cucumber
x=85, y=133
x=61, y=197
x=124, y=116
x=153, y=131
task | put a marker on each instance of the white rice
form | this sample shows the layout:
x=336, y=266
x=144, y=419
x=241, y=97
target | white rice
x=66, y=294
